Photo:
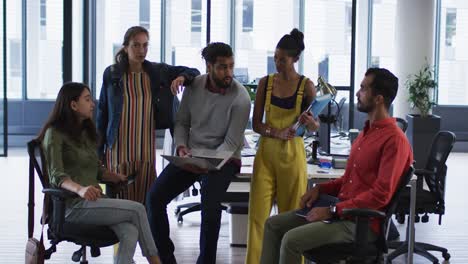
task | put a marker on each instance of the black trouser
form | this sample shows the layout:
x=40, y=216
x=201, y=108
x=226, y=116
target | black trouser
x=171, y=182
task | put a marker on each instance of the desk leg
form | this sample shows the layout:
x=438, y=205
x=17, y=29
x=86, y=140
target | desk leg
x=411, y=221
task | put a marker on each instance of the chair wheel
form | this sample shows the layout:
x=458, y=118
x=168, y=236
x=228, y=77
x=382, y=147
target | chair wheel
x=425, y=218
x=95, y=252
x=446, y=256
x=400, y=218
x=180, y=219
x=77, y=256
x=417, y=218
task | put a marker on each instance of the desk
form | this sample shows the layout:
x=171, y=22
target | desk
x=242, y=182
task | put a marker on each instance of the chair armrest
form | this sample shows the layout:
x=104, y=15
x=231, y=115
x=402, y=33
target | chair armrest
x=421, y=174
x=59, y=197
x=107, y=182
x=362, y=212
x=362, y=217
x=60, y=193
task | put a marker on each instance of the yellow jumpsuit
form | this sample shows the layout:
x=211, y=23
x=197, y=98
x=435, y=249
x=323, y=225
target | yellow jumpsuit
x=279, y=172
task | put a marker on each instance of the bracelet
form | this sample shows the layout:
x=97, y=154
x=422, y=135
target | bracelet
x=268, y=131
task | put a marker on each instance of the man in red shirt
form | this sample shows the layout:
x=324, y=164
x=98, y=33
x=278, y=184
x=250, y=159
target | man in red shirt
x=379, y=156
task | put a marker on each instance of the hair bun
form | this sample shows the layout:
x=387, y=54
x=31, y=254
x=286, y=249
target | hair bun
x=299, y=37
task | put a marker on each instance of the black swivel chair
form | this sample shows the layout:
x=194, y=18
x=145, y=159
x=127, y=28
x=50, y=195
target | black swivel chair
x=402, y=123
x=361, y=250
x=60, y=230
x=430, y=201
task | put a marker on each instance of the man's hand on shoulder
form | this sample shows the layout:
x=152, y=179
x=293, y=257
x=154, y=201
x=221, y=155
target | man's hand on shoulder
x=177, y=85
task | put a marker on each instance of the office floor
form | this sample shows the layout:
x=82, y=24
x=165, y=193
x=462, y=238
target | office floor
x=453, y=233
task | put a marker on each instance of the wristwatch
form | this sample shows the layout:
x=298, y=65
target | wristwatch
x=333, y=210
x=268, y=131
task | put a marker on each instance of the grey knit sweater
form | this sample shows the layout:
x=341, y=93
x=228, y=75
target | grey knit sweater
x=211, y=120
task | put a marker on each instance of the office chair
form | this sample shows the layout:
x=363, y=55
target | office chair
x=191, y=207
x=402, y=123
x=430, y=201
x=339, y=116
x=58, y=228
x=361, y=250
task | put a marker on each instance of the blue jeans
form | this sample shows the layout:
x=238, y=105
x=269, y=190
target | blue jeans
x=171, y=182
x=126, y=218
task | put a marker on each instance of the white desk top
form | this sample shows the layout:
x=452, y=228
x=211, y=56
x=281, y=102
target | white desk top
x=313, y=171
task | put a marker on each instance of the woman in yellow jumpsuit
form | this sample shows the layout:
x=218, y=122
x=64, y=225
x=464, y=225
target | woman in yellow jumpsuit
x=280, y=170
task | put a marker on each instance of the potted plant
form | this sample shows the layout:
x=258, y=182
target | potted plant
x=422, y=126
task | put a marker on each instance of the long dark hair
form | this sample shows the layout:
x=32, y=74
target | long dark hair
x=293, y=43
x=64, y=119
x=121, y=58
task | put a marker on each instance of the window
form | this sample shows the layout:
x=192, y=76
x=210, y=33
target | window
x=271, y=67
x=453, y=62
x=145, y=13
x=196, y=15
x=450, y=27
x=14, y=51
x=3, y=130
x=77, y=41
x=43, y=12
x=220, y=21
x=348, y=20
x=44, y=55
x=247, y=15
x=15, y=55
x=383, y=32
x=323, y=67
x=326, y=50
x=375, y=62
x=43, y=19
x=255, y=46
x=111, y=29
x=183, y=44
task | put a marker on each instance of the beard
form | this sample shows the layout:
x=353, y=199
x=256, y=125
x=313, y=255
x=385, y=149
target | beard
x=221, y=83
x=364, y=108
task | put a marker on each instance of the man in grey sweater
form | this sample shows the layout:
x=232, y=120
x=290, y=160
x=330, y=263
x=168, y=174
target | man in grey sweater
x=213, y=115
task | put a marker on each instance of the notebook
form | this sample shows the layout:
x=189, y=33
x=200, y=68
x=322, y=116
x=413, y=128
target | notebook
x=316, y=107
x=324, y=200
x=203, y=158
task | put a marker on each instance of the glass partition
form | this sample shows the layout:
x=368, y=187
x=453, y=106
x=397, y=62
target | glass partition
x=259, y=26
x=3, y=129
x=186, y=30
x=327, y=34
x=113, y=19
x=453, y=58
x=14, y=53
x=383, y=34
x=44, y=25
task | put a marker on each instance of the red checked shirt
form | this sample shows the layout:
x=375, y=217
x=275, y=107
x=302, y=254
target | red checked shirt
x=379, y=157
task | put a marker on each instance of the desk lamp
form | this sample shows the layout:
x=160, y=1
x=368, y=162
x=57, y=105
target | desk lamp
x=325, y=119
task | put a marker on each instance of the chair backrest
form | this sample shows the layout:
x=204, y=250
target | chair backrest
x=36, y=156
x=402, y=123
x=441, y=147
x=37, y=160
x=392, y=206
